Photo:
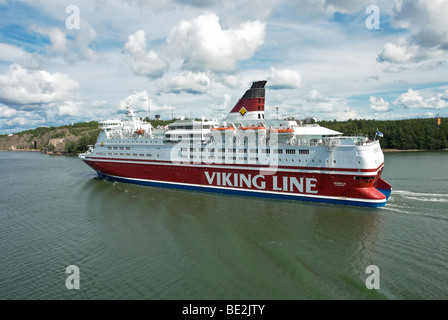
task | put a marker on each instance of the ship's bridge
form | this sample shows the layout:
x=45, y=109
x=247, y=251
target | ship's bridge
x=189, y=130
x=128, y=128
x=109, y=124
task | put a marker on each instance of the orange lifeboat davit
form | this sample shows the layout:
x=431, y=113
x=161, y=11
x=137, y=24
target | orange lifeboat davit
x=223, y=129
x=253, y=128
x=140, y=131
x=285, y=130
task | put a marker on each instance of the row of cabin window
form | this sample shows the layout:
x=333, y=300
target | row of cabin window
x=205, y=126
x=187, y=135
x=118, y=148
x=133, y=154
x=279, y=151
x=268, y=151
x=184, y=156
x=220, y=158
x=141, y=141
x=122, y=148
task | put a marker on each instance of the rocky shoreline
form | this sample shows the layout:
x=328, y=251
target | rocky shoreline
x=411, y=150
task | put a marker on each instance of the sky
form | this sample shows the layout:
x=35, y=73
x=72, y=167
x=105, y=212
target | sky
x=63, y=62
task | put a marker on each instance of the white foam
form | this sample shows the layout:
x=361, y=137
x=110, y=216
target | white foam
x=418, y=196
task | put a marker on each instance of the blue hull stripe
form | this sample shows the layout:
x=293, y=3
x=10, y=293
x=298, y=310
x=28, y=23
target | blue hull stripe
x=359, y=203
x=386, y=192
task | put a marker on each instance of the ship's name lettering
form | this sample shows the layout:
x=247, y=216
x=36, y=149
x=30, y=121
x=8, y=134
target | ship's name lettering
x=249, y=181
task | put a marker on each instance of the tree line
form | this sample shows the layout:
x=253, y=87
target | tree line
x=423, y=134
x=73, y=129
x=82, y=144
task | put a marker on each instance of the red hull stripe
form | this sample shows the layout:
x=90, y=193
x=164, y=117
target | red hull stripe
x=244, y=166
x=263, y=193
x=303, y=184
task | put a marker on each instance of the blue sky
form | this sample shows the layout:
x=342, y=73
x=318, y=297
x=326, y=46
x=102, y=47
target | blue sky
x=197, y=58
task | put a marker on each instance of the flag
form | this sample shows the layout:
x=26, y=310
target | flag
x=379, y=134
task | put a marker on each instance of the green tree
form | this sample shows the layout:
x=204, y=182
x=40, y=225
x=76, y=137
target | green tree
x=83, y=144
x=71, y=147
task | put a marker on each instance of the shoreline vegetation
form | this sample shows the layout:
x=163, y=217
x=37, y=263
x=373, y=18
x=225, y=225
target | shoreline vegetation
x=412, y=150
x=410, y=135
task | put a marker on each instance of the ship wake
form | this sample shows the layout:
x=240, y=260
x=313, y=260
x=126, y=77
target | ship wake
x=418, y=203
x=418, y=196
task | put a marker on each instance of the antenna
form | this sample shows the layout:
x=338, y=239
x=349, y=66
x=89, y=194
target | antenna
x=276, y=108
x=149, y=107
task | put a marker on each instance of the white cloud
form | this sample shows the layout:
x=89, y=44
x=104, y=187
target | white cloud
x=139, y=100
x=6, y=112
x=393, y=68
x=260, y=9
x=316, y=102
x=426, y=19
x=395, y=83
x=21, y=86
x=11, y=53
x=315, y=96
x=344, y=115
x=84, y=38
x=445, y=95
x=18, y=121
x=410, y=99
x=70, y=49
x=74, y=110
x=438, y=102
x=428, y=31
x=217, y=55
x=327, y=8
x=378, y=104
x=230, y=80
x=413, y=99
x=427, y=66
x=205, y=46
x=70, y=108
x=284, y=79
x=187, y=81
x=147, y=107
x=144, y=63
x=224, y=106
x=402, y=52
x=22, y=120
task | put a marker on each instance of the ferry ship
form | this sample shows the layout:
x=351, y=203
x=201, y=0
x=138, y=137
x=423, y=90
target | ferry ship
x=243, y=154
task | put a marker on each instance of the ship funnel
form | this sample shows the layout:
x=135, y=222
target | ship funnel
x=251, y=104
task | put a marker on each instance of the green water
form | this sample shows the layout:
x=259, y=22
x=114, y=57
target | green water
x=135, y=242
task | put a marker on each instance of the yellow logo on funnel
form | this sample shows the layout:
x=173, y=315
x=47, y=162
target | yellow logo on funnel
x=243, y=111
